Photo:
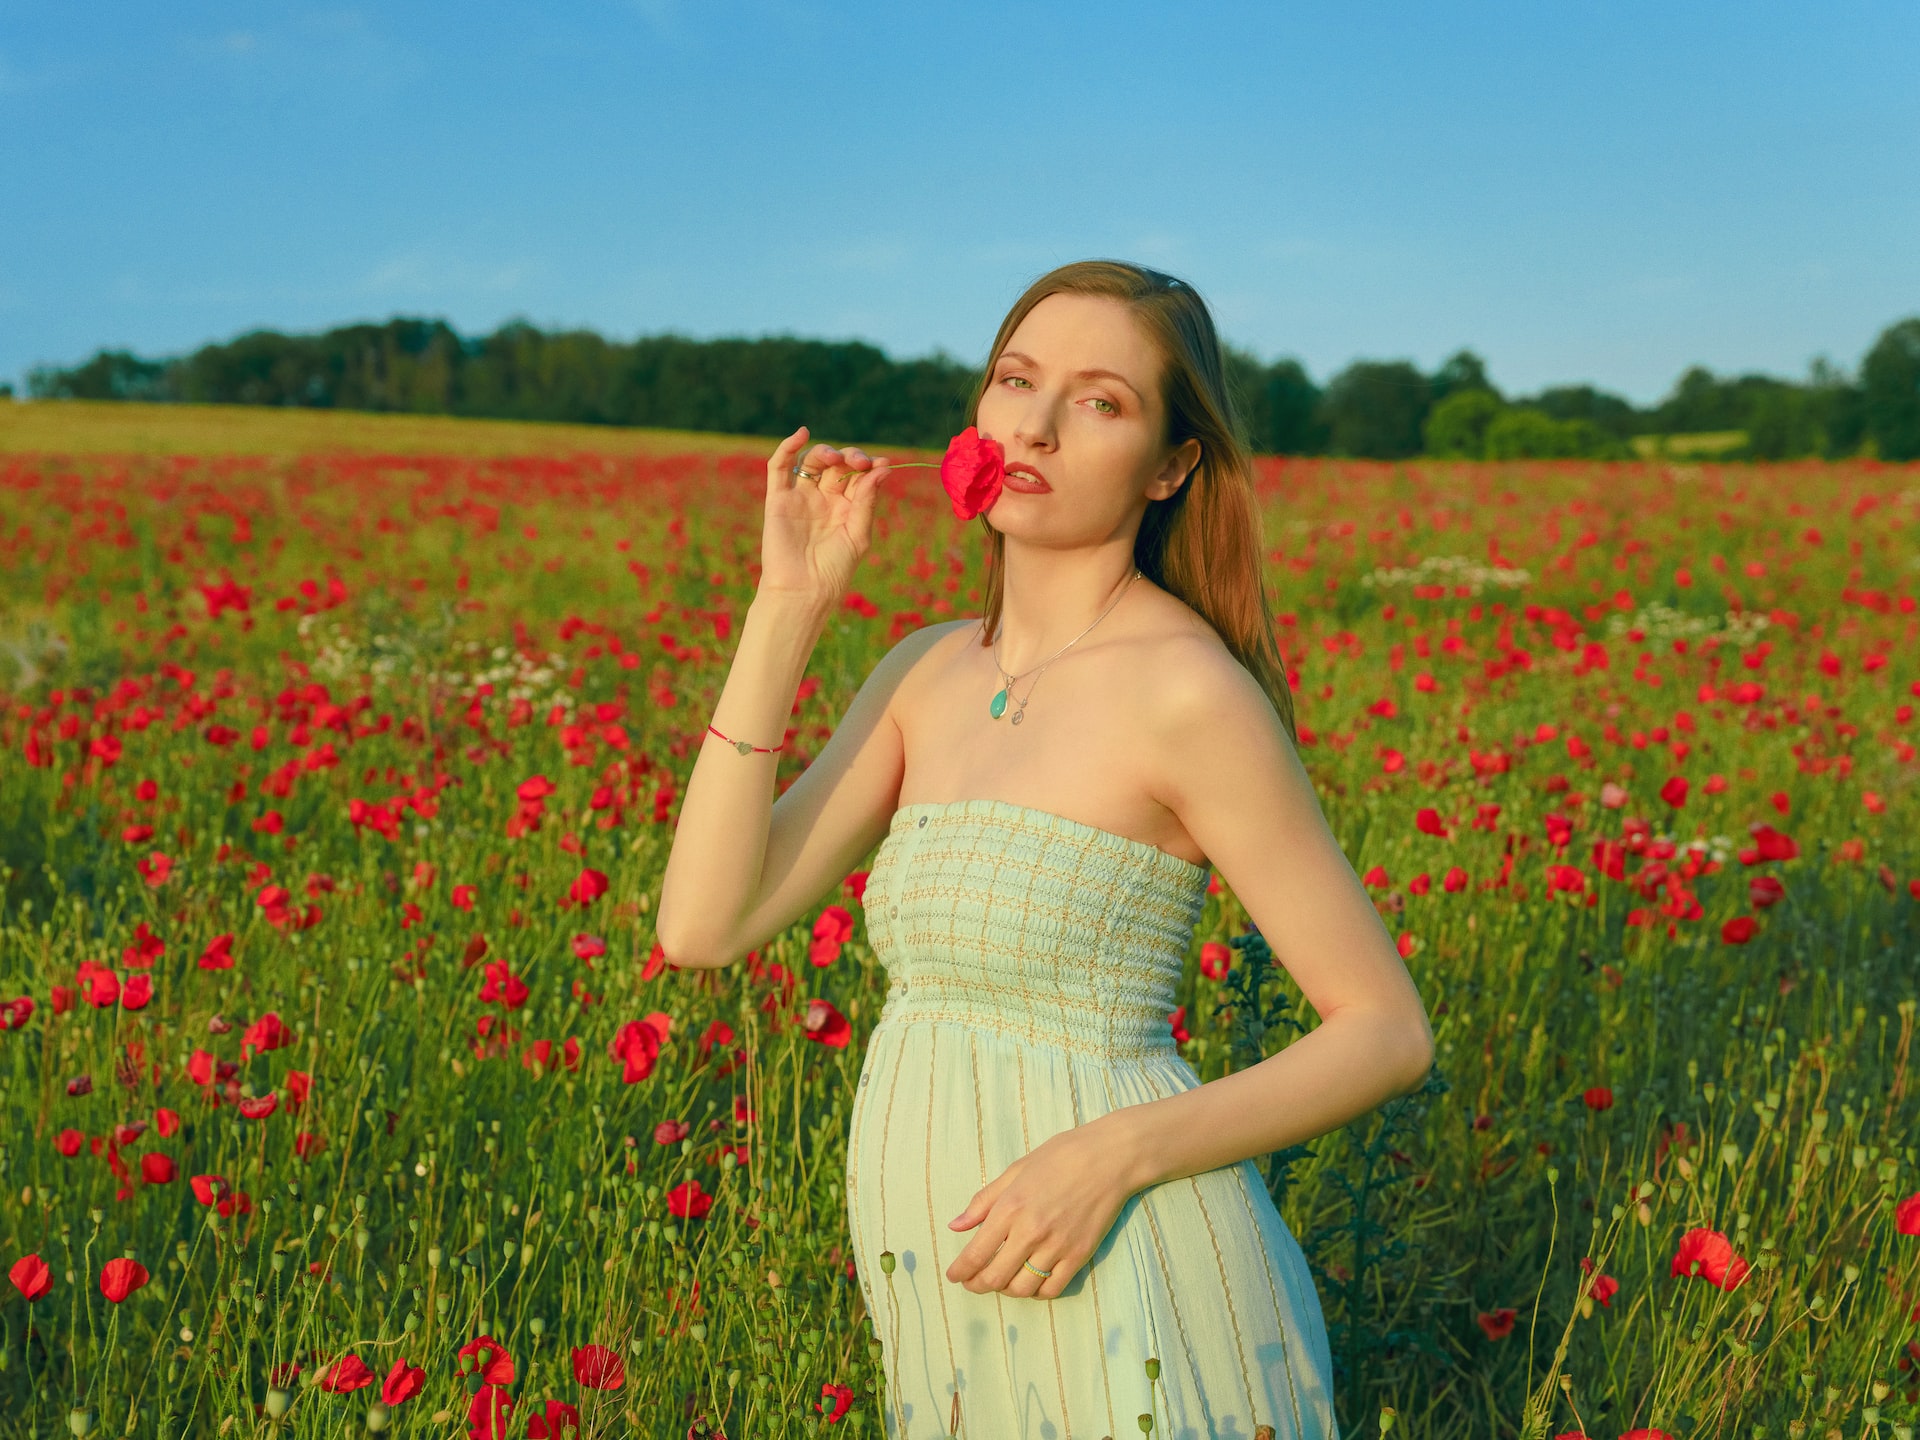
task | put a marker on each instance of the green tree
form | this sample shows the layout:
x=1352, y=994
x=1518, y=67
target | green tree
x=1277, y=404
x=109, y=375
x=1890, y=390
x=1461, y=372
x=1523, y=433
x=1375, y=409
x=1785, y=424
x=1457, y=426
x=1611, y=413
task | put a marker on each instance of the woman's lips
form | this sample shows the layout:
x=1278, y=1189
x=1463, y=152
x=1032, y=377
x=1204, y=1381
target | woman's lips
x=1025, y=481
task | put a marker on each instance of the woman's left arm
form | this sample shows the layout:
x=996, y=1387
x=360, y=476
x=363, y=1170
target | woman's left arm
x=1232, y=775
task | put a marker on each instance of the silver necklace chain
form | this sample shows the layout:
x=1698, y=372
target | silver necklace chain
x=1006, y=688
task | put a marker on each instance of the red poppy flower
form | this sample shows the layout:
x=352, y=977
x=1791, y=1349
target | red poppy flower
x=671, y=1132
x=218, y=955
x=588, y=947
x=266, y=1033
x=31, y=1277
x=1599, y=1097
x=1604, y=1286
x=120, y=1278
x=166, y=1122
x=636, y=1046
x=840, y=1395
x=156, y=1169
x=559, y=1418
x=208, y=1188
x=490, y=1361
x=260, y=1106
x=69, y=1141
x=147, y=947
x=825, y=1024
x=1906, y=1215
x=403, y=1382
x=463, y=897
x=688, y=1201
x=137, y=992
x=349, y=1372
x=1739, y=930
x=587, y=887
x=503, y=985
x=487, y=1413
x=1709, y=1255
x=972, y=472
x=99, y=986
x=1215, y=960
x=1674, y=792
x=598, y=1368
x=1497, y=1325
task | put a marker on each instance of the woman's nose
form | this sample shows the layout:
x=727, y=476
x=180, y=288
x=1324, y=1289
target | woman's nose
x=1034, y=425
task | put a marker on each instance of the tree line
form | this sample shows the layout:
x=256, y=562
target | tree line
x=1374, y=409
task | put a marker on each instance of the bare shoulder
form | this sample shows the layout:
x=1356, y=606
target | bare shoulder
x=923, y=652
x=1183, y=668
x=1201, y=708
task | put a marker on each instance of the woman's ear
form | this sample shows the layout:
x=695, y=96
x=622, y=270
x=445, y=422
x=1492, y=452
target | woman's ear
x=1179, y=467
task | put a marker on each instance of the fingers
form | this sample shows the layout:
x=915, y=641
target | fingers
x=780, y=464
x=1008, y=1273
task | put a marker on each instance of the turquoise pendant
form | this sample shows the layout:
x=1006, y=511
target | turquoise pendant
x=999, y=705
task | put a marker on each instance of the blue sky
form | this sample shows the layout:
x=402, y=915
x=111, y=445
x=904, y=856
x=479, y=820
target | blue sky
x=1577, y=190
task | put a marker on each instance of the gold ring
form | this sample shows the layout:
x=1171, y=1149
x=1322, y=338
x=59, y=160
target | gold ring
x=805, y=474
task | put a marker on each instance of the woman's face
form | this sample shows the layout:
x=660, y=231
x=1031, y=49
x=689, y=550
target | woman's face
x=1075, y=398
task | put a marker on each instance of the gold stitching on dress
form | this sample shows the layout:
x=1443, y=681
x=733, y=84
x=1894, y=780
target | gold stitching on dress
x=938, y=1274
x=1167, y=1270
x=980, y=1145
x=1226, y=1289
x=886, y=1130
x=1053, y=1324
x=1099, y=1325
x=1279, y=1312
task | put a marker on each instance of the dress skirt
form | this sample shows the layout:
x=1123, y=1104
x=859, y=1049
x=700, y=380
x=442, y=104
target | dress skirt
x=1031, y=962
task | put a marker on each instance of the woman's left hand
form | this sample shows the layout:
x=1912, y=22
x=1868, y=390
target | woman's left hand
x=1052, y=1206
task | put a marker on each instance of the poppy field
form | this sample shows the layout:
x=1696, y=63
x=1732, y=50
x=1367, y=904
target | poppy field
x=344, y=1086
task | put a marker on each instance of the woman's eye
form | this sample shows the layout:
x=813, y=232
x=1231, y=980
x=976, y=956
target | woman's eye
x=1111, y=407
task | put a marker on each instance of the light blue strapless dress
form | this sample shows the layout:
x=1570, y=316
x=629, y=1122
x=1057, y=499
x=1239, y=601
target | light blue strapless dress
x=1032, y=962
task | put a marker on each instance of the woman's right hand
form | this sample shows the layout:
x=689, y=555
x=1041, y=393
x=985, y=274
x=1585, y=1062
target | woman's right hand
x=816, y=531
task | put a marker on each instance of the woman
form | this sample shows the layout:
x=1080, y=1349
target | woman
x=1040, y=870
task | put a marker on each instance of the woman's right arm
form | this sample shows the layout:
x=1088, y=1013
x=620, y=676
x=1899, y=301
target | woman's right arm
x=815, y=534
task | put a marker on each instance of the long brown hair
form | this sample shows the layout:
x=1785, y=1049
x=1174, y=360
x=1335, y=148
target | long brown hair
x=1204, y=542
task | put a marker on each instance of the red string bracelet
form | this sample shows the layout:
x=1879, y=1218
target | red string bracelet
x=746, y=749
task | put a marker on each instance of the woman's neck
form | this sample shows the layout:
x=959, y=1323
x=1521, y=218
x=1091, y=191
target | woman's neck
x=1049, y=597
